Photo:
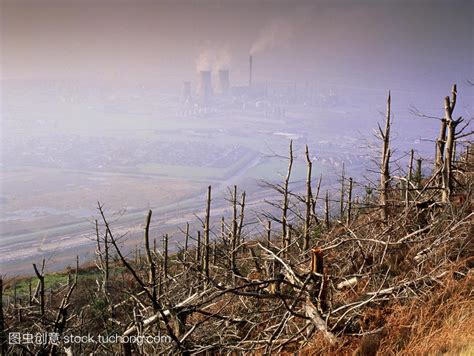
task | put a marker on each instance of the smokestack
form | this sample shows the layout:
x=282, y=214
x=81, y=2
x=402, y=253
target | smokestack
x=250, y=71
x=224, y=84
x=205, y=87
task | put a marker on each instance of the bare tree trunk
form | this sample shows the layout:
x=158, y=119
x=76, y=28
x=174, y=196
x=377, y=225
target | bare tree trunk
x=349, y=203
x=441, y=141
x=448, y=162
x=61, y=315
x=137, y=255
x=151, y=263
x=450, y=143
x=409, y=178
x=341, y=204
x=287, y=238
x=241, y=219
x=314, y=199
x=317, y=262
x=206, y=232
x=234, y=231
x=410, y=167
x=284, y=219
x=269, y=232
x=455, y=151
x=223, y=237
x=103, y=257
x=41, y=285
x=418, y=172
x=186, y=242
x=309, y=198
x=100, y=262
x=142, y=284
x=165, y=256
x=326, y=210
x=384, y=169
x=198, y=250
x=234, y=216
x=107, y=258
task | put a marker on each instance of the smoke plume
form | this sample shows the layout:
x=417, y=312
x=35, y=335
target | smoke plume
x=213, y=58
x=275, y=33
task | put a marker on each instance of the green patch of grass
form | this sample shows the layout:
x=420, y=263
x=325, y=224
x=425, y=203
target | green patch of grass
x=22, y=286
x=51, y=280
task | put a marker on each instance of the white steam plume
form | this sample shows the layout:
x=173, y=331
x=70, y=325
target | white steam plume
x=275, y=33
x=214, y=58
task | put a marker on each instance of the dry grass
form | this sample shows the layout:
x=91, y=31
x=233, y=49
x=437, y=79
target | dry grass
x=441, y=323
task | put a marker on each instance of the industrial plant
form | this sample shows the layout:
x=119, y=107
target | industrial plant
x=214, y=90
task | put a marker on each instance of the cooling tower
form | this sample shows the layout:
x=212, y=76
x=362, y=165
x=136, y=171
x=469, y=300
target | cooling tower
x=224, y=84
x=205, y=87
x=186, y=91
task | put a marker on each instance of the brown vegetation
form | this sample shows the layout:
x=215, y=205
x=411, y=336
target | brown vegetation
x=391, y=275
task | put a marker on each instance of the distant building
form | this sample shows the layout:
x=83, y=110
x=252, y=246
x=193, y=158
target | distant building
x=205, y=87
x=224, y=83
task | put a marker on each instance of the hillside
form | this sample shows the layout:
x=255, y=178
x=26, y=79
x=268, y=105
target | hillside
x=388, y=272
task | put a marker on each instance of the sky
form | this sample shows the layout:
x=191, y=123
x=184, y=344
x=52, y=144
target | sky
x=357, y=42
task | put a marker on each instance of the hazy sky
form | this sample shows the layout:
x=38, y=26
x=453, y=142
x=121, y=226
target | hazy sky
x=362, y=42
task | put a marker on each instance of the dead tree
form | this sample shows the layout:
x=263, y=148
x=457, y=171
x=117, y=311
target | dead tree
x=285, y=207
x=409, y=179
x=309, y=198
x=107, y=258
x=40, y=286
x=269, y=232
x=418, y=173
x=241, y=218
x=223, y=237
x=441, y=141
x=234, y=214
x=103, y=257
x=165, y=256
x=447, y=179
x=314, y=199
x=287, y=242
x=157, y=307
x=151, y=263
x=206, y=233
x=100, y=262
x=236, y=227
x=384, y=169
x=349, y=202
x=234, y=241
x=326, y=210
x=341, y=203
x=317, y=262
x=186, y=242
x=198, y=250
x=62, y=312
x=138, y=257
